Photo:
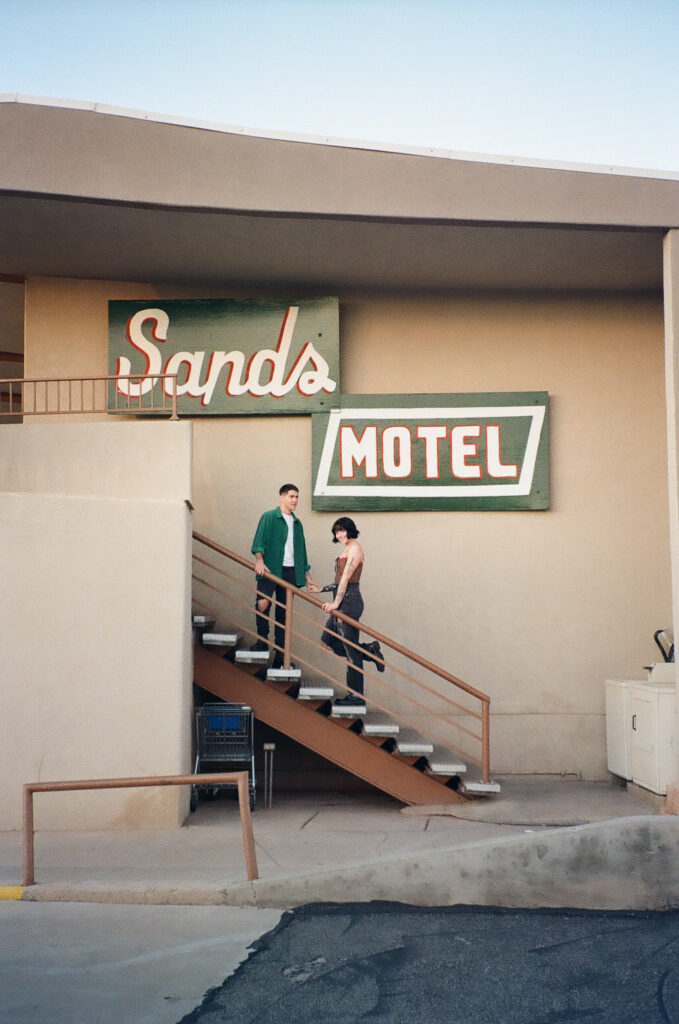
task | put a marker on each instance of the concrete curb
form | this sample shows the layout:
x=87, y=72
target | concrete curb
x=619, y=864
x=622, y=864
x=240, y=895
x=11, y=892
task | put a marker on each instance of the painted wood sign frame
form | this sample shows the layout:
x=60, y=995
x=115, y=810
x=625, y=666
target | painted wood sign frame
x=428, y=452
x=231, y=356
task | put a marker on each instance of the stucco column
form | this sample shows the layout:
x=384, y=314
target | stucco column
x=671, y=299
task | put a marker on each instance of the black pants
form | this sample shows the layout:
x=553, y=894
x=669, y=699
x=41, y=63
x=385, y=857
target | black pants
x=352, y=604
x=268, y=589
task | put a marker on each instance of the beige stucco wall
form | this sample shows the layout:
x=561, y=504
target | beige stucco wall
x=537, y=609
x=95, y=606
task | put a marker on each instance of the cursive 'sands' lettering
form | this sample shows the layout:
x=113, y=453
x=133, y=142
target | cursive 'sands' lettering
x=266, y=372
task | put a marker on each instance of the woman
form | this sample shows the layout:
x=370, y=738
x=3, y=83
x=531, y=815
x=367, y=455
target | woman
x=348, y=569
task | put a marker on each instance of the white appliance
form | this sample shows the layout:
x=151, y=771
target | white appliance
x=653, y=730
x=640, y=732
x=619, y=726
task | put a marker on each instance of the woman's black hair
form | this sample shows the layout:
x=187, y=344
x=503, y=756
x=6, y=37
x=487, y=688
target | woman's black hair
x=344, y=523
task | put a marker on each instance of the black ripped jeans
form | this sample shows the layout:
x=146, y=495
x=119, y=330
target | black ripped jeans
x=352, y=604
x=268, y=590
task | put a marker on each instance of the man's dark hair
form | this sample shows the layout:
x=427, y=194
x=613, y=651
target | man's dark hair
x=344, y=523
x=288, y=487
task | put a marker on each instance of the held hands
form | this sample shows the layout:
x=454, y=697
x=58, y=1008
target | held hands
x=312, y=587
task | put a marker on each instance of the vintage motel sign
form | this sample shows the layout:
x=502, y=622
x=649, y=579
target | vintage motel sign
x=406, y=452
x=231, y=356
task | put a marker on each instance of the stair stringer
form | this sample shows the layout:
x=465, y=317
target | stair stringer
x=343, y=747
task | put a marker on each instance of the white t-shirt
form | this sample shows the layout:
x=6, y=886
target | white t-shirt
x=289, y=551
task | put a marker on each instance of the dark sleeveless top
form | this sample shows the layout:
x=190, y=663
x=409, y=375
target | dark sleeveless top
x=340, y=565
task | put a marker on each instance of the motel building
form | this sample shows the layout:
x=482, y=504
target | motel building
x=473, y=357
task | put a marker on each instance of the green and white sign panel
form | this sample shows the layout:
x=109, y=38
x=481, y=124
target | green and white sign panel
x=412, y=452
x=231, y=356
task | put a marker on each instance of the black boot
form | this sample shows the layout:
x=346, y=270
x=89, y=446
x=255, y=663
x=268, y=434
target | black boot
x=373, y=651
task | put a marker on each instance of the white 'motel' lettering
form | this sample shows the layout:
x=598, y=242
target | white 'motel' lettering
x=398, y=466
x=309, y=373
x=354, y=451
x=496, y=467
x=394, y=451
x=461, y=450
x=431, y=434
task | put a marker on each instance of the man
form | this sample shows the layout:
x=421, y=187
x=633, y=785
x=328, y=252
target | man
x=279, y=548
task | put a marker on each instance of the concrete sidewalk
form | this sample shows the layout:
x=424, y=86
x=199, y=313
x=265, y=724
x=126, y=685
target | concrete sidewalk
x=312, y=847
x=80, y=963
x=70, y=951
x=301, y=835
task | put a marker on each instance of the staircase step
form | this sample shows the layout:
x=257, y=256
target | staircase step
x=415, y=747
x=348, y=710
x=336, y=738
x=315, y=693
x=284, y=673
x=381, y=728
x=447, y=768
x=202, y=621
x=252, y=657
x=221, y=639
x=480, y=788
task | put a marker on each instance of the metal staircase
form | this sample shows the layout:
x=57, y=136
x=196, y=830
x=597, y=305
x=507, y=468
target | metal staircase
x=388, y=751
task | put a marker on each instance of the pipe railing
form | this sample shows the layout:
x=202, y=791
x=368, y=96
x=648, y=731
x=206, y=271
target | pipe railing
x=294, y=633
x=295, y=595
x=211, y=779
x=67, y=396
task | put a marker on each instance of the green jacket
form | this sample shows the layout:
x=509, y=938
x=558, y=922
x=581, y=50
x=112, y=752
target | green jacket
x=270, y=537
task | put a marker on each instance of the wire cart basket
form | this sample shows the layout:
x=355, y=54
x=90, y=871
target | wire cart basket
x=224, y=732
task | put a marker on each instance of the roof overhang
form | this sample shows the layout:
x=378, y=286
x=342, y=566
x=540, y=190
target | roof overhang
x=90, y=195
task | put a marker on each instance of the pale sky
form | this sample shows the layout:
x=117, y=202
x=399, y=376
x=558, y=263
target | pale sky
x=585, y=81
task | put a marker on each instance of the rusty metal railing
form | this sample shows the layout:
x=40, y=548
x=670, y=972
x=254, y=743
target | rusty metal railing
x=479, y=734
x=213, y=778
x=67, y=396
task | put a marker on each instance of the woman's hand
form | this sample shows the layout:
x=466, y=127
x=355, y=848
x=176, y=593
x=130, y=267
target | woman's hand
x=328, y=607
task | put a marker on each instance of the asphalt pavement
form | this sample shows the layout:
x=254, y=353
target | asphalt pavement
x=148, y=926
x=395, y=964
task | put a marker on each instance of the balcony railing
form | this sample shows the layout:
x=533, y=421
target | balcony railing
x=67, y=396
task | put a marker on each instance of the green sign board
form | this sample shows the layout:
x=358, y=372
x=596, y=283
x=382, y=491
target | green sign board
x=231, y=356
x=405, y=452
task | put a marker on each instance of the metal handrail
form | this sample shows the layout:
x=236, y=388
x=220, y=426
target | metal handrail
x=240, y=778
x=376, y=682
x=67, y=396
x=243, y=604
x=293, y=592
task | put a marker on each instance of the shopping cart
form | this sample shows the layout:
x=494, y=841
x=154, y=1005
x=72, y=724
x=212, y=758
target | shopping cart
x=224, y=732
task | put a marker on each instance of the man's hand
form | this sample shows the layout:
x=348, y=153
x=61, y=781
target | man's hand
x=312, y=587
x=260, y=568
